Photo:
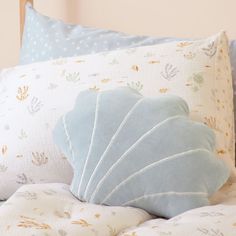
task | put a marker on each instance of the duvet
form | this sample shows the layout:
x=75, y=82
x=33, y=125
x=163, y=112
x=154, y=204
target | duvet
x=51, y=210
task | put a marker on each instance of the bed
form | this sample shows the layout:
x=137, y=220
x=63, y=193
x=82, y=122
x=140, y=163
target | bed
x=40, y=204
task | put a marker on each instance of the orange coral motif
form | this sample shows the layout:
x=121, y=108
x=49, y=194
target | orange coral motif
x=97, y=215
x=80, y=61
x=154, y=62
x=135, y=68
x=39, y=159
x=64, y=214
x=211, y=122
x=221, y=152
x=94, y=88
x=81, y=222
x=163, y=90
x=27, y=222
x=19, y=156
x=183, y=44
x=4, y=150
x=132, y=234
x=22, y=93
x=112, y=230
x=104, y=81
x=189, y=55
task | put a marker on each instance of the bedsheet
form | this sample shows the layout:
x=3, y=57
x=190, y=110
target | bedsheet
x=214, y=220
x=51, y=210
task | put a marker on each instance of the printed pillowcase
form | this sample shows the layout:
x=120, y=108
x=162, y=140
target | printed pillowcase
x=38, y=94
x=46, y=38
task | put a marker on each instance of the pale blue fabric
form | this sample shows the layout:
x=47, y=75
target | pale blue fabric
x=127, y=150
x=45, y=38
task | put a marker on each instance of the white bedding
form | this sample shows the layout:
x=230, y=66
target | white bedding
x=51, y=210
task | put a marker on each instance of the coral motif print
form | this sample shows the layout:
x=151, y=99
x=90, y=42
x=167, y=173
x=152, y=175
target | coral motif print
x=62, y=232
x=131, y=234
x=35, y=106
x=27, y=222
x=24, y=179
x=210, y=232
x=210, y=50
x=22, y=93
x=196, y=81
x=81, y=222
x=112, y=230
x=4, y=150
x=97, y=215
x=105, y=81
x=65, y=214
x=154, y=62
x=135, y=68
x=189, y=55
x=221, y=151
x=27, y=195
x=49, y=192
x=169, y=72
x=184, y=44
x=3, y=168
x=22, y=135
x=163, y=90
x=94, y=88
x=135, y=85
x=79, y=61
x=39, y=159
x=211, y=122
x=72, y=77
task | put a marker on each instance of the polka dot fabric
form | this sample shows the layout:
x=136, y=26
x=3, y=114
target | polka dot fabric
x=45, y=38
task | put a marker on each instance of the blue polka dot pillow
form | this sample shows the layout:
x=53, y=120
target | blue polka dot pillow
x=45, y=38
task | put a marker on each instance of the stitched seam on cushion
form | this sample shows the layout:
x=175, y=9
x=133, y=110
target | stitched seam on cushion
x=162, y=194
x=154, y=164
x=68, y=137
x=128, y=151
x=112, y=140
x=92, y=140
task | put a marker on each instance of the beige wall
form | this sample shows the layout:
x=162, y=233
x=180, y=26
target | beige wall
x=183, y=18
x=9, y=32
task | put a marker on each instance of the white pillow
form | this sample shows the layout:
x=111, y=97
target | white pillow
x=33, y=97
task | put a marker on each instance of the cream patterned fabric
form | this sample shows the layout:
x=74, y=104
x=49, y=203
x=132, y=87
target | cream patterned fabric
x=33, y=97
x=51, y=210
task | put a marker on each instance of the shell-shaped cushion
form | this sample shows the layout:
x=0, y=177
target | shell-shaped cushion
x=130, y=150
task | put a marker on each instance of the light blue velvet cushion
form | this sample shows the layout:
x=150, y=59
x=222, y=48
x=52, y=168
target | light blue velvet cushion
x=127, y=150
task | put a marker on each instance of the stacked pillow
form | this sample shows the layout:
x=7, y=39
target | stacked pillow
x=45, y=39
x=38, y=94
